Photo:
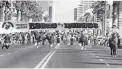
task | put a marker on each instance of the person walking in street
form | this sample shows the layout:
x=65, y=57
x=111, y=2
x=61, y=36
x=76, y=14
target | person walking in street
x=65, y=39
x=81, y=40
x=43, y=38
x=23, y=39
x=72, y=39
x=113, y=40
x=7, y=41
x=58, y=40
x=20, y=38
x=89, y=40
x=28, y=38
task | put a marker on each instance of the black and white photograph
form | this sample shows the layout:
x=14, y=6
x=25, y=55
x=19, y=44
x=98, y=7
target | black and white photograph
x=42, y=34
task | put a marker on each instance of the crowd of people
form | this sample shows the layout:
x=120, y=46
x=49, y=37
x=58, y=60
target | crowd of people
x=44, y=37
x=57, y=37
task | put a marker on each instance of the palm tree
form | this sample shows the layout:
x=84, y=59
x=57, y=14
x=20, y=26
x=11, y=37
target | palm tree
x=99, y=9
x=29, y=9
x=87, y=17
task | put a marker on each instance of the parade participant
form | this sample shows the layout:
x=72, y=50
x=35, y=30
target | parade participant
x=71, y=39
x=43, y=38
x=81, y=40
x=49, y=38
x=33, y=38
x=64, y=39
x=23, y=39
x=0, y=39
x=28, y=38
x=89, y=40
x=58, y=40
x=119, y=40
x=52, y=39
x=113, y=40
x=7, y=41
x=68, y=38
x=20, y=38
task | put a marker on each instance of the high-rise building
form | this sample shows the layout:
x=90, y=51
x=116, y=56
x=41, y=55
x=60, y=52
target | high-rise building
x=83, y=6
x=50, y=12
x=79, y=11
x=1, y=12
x=75, y=14
x=47, y=5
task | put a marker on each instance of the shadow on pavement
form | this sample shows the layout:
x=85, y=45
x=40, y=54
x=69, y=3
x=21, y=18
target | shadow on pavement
x=119, y=64
x=107, y=58
x=91, y=63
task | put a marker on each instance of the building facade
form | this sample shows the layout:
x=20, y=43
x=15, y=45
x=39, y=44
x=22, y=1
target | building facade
x=84, y=5
x=117, y=15
x=13, y=12
x=50, y=13
x=75, y=14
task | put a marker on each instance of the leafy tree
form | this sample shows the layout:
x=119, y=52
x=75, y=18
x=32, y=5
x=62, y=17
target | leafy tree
x=87, y=17
x=99, y=9
x=7, y=12
x=30, y=9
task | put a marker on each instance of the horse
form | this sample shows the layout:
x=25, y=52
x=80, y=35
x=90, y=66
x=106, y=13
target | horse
x=113, y=41
x=44, y=37
x=49, y=38
x=83, y=40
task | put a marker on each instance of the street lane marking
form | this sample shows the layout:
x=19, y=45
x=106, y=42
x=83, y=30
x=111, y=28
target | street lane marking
x=44, y=59
x=97, y=56
x=9, y=53
x=30, y=47
x=107, y=64
x=101, y=60
x=37, y=46
x=15, y=52
x=93, y=54
x=2, y=55
x=45, y=63
x=48, y=59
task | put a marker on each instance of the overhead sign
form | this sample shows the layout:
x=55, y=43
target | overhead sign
x=21, y=26
x=81, y=25
x=7, y=25
x=64, y=25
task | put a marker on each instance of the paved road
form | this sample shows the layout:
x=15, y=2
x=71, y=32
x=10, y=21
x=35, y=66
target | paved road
x=60, y=56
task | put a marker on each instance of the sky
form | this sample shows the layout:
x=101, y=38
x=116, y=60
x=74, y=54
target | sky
x=63, y=10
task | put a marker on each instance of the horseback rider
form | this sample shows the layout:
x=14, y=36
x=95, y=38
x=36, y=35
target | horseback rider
x=113, y=39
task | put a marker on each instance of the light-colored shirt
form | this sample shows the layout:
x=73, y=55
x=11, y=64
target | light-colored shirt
x=114, y=30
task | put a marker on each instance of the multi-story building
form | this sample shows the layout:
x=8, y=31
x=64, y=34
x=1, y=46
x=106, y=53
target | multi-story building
x=47, y=5
x=84, y=5
x=80, y=11
x=1, y=12
x=117, y=15
x=6, y=9
x=50, y=13
x=75, y=14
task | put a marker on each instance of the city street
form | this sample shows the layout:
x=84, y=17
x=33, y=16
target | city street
x=41, y=34
x=62, y=56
